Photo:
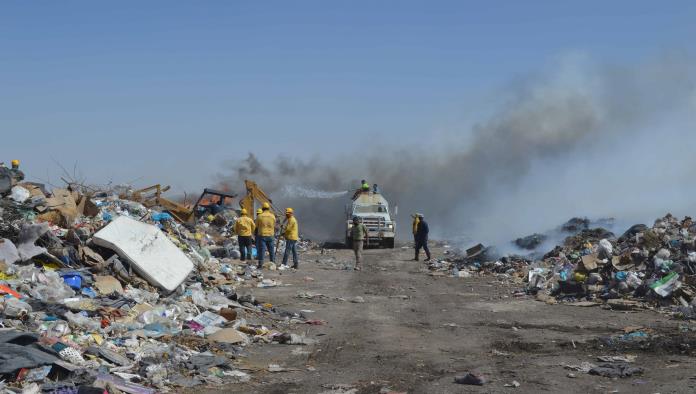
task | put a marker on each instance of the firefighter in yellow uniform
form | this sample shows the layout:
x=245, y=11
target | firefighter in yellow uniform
x=266, y=224
x=244, y=227
x=291, y=235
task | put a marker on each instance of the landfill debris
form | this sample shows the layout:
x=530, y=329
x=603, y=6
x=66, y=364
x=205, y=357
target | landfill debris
x=584, y=367
x=616, y=370
x=101, y=293
x=646, y=267
x=629, y=358
x=514, y=384
x=471, y=378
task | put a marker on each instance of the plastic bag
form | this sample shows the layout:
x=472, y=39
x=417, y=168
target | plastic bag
x=82, y=322
x=663, y=254
x=51, y=287
x=19, y=194
x=605, y=249
x=141, y=296
x=16, y=308
x=666, y=286
x=633, y=280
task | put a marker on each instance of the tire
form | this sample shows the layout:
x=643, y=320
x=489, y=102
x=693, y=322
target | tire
x=388, y=243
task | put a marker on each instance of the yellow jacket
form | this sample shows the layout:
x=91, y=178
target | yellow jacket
x=416, y=220
x=244, y=226
x=291, y=232
x=266, y=224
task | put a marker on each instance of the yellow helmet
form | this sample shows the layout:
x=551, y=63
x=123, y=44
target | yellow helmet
x=289, y=210
x=243, y=211
x=266, y=206
x=15, y=163
x=259, y=211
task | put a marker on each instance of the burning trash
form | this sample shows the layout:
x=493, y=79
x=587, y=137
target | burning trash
x=646, y=266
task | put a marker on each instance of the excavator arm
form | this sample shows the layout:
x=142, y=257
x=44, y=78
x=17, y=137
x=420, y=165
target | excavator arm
x=152, y=196
x=255, y=193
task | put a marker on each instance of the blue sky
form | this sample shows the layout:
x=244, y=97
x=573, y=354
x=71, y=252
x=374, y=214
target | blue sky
x=170, y=90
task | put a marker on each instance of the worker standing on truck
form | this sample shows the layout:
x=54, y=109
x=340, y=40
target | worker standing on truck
x=266, y=223
x=364, y=188
x=421, y=238
x=359, y=235
x=291, y=235
x=244, y=227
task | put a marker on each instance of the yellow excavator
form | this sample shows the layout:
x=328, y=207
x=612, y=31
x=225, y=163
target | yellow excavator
x=255, y=194
x=152, y=196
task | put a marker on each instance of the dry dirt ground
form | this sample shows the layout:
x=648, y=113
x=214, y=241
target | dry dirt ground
x=414, y=333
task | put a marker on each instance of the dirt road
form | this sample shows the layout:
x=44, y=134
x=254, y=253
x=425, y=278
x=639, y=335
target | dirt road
x=414, y=333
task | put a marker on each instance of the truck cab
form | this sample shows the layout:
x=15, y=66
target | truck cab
x=373, y=211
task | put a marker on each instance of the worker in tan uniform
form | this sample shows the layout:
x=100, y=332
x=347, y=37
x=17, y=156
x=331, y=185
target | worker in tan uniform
x=266, y=223
x=359, y=235
x=244, y=227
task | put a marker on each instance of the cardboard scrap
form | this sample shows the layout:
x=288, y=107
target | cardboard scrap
x=86, y=207
x=622, y=263
x=107, y=284
x=227, y=335
x=63, y=202
x=90, y=257
x=589, y=261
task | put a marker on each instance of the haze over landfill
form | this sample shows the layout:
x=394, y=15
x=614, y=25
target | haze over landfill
x=491, y=142
x=392, y=197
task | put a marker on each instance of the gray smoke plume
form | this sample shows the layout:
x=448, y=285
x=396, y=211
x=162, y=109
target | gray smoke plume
x=577, y=139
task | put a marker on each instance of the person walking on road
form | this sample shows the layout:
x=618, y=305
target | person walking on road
x=244, y=227
x=266, y=223
x=359, y=235
x=291, y=235
x=421, y=238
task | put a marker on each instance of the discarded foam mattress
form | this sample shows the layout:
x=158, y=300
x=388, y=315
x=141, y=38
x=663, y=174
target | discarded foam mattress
x=147, y=248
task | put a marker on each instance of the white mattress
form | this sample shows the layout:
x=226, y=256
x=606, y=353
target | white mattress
x=149, y=251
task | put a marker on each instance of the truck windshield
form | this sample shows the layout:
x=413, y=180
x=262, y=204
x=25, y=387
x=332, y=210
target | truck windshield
x=370, y=209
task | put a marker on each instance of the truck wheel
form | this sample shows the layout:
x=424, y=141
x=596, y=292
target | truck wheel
x=389, y=243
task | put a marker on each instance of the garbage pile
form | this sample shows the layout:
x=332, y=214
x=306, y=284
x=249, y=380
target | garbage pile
x=652, y=267
x=99, y=293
